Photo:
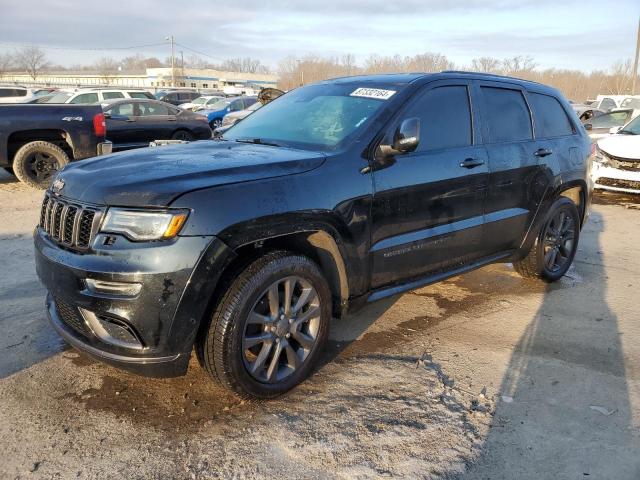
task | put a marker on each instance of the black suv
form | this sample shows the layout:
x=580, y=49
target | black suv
x=333, y=195
x=177, y=97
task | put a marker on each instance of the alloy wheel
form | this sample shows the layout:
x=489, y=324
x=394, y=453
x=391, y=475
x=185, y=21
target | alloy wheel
x=42, y=166
x=281, y=329
x=558, y=241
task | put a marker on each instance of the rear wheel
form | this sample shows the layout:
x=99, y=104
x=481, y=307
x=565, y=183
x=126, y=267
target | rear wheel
x=269, y=328
x=556, y=246
x=36, y=163
x=182, y=135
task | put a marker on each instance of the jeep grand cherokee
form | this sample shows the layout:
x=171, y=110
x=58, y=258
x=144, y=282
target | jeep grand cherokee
x=333, y=195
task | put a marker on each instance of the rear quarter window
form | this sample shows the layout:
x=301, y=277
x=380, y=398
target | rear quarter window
x=550, y=118
x=109, y=95
x=506, y=115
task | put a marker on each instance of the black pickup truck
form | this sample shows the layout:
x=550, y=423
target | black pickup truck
x=331, y=196
x=38, y=140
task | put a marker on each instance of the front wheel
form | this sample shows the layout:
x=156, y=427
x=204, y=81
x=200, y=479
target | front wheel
x=269, y=328
x=554, y=249
x=215, y=123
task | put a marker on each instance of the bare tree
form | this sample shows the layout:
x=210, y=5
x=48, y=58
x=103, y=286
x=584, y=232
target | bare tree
x=107, y=68
x=486, y=65
x=6, y=62
x=244, y=65
x=32, y=60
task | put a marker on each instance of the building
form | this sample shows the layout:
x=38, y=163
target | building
x=152, y=79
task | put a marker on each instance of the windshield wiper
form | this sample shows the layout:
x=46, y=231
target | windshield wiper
x=257, y=141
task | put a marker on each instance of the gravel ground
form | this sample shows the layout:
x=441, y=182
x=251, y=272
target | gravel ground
x=482, y=376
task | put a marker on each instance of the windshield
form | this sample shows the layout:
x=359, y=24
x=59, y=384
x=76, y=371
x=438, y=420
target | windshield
x=199, y=101
x=59, y=97
x=608, y=120
x=317, y=116
x=633, y=127
x=630, y=103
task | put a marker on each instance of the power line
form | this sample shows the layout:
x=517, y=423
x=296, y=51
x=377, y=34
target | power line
x=85, y=49
x=200, y=53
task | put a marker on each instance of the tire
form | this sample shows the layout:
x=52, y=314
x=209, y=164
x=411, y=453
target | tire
x=560, y=232
x=215, y=123
x=36, y=163
x=228, y=350
x=182, y=135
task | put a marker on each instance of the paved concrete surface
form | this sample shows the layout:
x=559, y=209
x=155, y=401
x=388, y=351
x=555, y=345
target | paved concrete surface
x=482, y=376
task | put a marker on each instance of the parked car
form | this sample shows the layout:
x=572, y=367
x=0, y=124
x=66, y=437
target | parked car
x=38, y=140
x=600, y=125
x=201, y=103
x=15, y=94
x=216, y=112
x=177, y=97
x=91, y=96
x=334, y=195
x=606, y=103
x=266, y=95
x=585, y=112
x=133, y=123
x=616, y=163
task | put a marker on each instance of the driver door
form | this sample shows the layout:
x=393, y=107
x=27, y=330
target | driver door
x=427, y=213
x=122, y=127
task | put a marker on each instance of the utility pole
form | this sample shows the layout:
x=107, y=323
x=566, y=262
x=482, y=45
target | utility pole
x=173, y=61
x=634, y=73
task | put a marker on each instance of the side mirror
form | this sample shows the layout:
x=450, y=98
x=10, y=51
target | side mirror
x=407, y=136
x=588, y=126
x=107, y=115
x=614, y=130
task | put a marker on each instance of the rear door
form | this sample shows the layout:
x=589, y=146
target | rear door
x=516, y=181
x=157, y=121
x=427, y=210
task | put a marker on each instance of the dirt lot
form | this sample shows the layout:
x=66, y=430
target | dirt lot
x=482, y=376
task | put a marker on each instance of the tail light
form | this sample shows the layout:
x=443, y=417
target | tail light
x=100, y=125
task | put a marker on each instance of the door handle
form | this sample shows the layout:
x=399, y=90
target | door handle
x=543, y=152
x=172, y=119
x=471, y=162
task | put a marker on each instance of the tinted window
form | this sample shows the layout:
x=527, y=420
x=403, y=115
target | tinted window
x=506, y=115
x=607, y=104
x=109, y=95
x=12, y=92
x=236, y=105
x=86, y=98
x=445, y=118
x=148, y=109
x=551, y=119
x=140, y=95
x=248, y=101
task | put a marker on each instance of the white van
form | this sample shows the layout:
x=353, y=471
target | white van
x=11, y=94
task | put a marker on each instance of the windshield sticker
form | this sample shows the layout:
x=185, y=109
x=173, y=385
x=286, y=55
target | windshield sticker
x=377, y=93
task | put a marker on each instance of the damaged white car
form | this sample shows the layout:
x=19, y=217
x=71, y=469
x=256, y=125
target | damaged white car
x=616, y=164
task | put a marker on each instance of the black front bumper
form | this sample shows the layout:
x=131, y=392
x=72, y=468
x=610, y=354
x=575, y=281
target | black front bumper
x=177, y=277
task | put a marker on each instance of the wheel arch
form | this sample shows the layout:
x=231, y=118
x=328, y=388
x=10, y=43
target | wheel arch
x=58, y=137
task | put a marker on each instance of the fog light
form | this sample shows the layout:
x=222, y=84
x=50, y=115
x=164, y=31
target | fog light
x=104, y=287
x=112, y=330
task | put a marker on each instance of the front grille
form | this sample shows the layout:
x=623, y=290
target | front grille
x=69, y=224
x=615, y=182
x=71, y=317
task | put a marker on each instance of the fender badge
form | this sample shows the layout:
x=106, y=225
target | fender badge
x=57, y=185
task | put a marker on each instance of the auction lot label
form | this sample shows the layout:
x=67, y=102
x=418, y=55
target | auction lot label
x=373, y=93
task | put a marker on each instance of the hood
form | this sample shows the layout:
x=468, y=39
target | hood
x=154, y=176
x=621, y=146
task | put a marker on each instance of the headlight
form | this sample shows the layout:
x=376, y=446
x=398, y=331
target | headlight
x=140, y=225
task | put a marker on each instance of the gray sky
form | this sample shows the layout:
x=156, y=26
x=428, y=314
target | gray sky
x=585, y=34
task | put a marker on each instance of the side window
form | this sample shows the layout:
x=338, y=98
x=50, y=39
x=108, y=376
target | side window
x=110, y=95
x=138, y=95
x=235, y=106
x=445, y=118
x=85, y=98
x=6, y=92
x=123, y=109
x=249, y=101
x=506, y=115
x=550, y=118
x=607, y=104
x=148, y=109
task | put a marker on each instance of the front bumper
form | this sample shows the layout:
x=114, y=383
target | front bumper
x=177, y=279
x=615, y=179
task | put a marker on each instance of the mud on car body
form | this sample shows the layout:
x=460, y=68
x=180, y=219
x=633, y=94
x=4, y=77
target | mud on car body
x=334, y=195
